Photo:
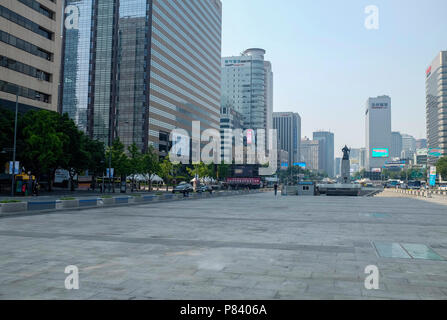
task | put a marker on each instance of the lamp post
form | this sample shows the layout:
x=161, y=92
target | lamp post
x=15, y=143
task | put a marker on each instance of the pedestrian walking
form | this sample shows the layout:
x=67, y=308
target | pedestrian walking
x=276, y=189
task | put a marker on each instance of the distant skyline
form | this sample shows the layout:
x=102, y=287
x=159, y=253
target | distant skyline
x=326, y=64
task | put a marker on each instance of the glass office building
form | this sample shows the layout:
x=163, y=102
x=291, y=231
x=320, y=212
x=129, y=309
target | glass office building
x=436, y=107
x=247, y=86
x=76, y=65
x=154, y=66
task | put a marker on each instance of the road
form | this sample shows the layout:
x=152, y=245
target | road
x=242, y=247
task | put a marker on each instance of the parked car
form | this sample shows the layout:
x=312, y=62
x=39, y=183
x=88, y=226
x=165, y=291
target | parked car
x=205, y=188
x=183, y=187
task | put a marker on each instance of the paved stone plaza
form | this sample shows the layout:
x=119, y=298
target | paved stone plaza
x=243, y=247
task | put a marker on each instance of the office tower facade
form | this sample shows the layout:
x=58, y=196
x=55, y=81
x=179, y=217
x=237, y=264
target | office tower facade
x=230, y=119
x=247, y=86
x=288, y=130
x=327, y=139
x=436, y=107
x=421, y=143
x=312, y=152
x=337, y=168
x=354, y=159
x=30, y=53
x=408, y=145
x=378, y=131
x=362, y=157
x=153, y=65
x=396, y=145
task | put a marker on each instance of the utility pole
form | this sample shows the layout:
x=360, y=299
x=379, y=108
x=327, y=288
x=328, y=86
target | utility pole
x=15, y=143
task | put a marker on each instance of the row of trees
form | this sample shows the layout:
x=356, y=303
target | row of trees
x=410, y=173
x=47, y=141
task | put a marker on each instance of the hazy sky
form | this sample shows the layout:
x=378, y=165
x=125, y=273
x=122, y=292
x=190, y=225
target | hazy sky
x=326, y=63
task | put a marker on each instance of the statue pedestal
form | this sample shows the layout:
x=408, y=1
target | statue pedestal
x=345, y=171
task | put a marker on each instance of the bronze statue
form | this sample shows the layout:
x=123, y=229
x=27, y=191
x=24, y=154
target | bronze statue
x=346, y=152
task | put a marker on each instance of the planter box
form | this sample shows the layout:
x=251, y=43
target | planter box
x=137, y=199
x=88, y=202
x=41, y=205
x=107, y=201
x=121, y=200
x=67, y=204
x=13, y=207
x=149, y=198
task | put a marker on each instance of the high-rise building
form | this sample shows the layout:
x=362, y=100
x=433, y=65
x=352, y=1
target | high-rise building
x=327, y=160
x=362, y=160
x=436, y=107
x=312, y=152
x=337, y=168
x=230, y=119
x=30, y=53
x=408, y=143
x=247, y=86
x=421, y=144
x=396, y=145
x=140, y=68
x=288, y=126
x=378, y=131
x=354, y=159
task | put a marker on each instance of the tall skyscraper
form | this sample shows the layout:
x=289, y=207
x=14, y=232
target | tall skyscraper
x=230, y=119
x=337, y=168
x=288, y=126
x=408, y=143
x=30, y=53
x=436, y=107
x=312, y=152
x=247, y=86
x=378, y=131
x=421, y=144
x=152, y=65
x=327, y=139
x=396, y=145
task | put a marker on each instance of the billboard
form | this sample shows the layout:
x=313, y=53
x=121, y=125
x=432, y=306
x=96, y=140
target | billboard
x=432, y=181
x=380, y=153
x=434, y=152
x=300, y=164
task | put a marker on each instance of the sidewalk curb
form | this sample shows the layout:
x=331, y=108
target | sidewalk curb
x=109, y=203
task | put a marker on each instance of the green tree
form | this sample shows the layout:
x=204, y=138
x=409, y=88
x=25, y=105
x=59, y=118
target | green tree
x=43, y=150
x=150, y=163
x=6, y=135
x=441, y=167
x=96, y=157
x=75, y=158
x=223, y=171
x=135, y=163
x=166, y=171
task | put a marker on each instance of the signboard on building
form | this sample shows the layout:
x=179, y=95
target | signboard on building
x=61, y=175
x=245, y=181
x=300, y=164
x=434, y=152
x=376, y=170
x=380, y=153
x=432, y=176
